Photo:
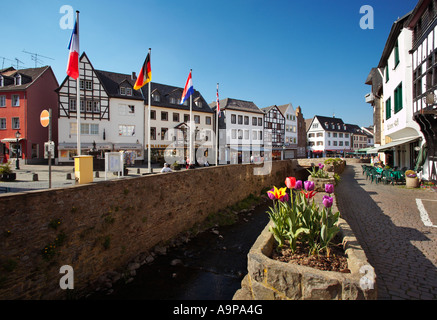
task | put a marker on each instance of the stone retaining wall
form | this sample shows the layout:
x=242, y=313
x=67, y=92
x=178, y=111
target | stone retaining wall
x=268, y=279
x=101, y=227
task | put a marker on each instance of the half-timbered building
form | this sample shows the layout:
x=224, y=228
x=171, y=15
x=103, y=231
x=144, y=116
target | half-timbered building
x=112, y=114
x=274, y=130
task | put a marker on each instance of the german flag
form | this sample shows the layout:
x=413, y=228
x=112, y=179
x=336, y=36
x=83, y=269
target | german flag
x=145, y=74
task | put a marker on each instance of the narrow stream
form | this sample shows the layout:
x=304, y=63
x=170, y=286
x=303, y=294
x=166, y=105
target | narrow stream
x=208, y=267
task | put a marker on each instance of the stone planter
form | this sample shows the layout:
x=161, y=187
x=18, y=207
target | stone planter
x=8, y=176
x=412, y=182
x=269, y=279
x=319, y=183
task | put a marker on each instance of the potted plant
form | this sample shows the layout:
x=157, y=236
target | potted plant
x=320, y=177
x=6, y=173
x=411, y=179
x=176, y=166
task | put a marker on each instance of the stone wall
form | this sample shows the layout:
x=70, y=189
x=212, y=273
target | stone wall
x=99, y=227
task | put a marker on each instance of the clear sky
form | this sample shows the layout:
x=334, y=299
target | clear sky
x=310, y=53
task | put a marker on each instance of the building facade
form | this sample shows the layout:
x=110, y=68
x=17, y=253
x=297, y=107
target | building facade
x=328, y=137
x=241, y=131
x=423, y=25
x=274, y=131
x=111, y=111
x=24, y=94
x=291, y=131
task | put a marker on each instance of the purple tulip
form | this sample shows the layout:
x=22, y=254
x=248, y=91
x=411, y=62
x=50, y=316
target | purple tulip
x=271, y=196
x=285, y=198
x=309, y=185
x=321, y=166
x=329, y=188
x=298, y=185
x=327, y=201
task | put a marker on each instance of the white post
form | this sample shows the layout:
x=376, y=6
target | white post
x=217, y=129
x=78, y=91
x=149, y=150
x=191, y=124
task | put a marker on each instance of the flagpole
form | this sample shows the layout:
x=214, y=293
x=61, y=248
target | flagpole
x=78, y=90
x=191, y=123
x=217, y=128
x=149, y=151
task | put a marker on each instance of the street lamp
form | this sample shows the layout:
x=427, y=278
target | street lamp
x=17, y=135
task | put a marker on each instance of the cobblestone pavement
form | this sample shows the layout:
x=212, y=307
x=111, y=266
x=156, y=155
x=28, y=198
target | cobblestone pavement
x=24, y=181
x=388, y=223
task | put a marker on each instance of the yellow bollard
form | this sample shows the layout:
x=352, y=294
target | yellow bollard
x=83, y=169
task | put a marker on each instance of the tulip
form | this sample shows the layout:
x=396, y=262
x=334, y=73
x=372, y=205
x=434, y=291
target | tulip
x=309, y=185
x=329, y=188
x=327, y=201
x=279, y=194
x=298, y=185
x=321, y=166
x=309, y=194
x=290, y=182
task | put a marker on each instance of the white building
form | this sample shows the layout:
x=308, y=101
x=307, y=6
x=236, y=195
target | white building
x=327, y=136
x=241, y=133
x=111, y=114
x=396, y=66
x=291, y=136
x=169, y=125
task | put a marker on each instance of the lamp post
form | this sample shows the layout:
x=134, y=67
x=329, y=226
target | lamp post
x=17, y=163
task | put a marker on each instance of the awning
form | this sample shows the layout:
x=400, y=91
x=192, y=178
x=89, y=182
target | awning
x=11, y=140
x=73, y=146
x=127, y=146
x=393, y=144
x=249, y=148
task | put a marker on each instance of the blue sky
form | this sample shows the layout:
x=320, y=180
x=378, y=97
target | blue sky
x=310, y=53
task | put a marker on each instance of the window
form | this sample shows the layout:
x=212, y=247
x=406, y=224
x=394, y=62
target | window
x=152, y=133
x=234, y=133
x=172, y=100
x=260, y=135
x=15, y=123
x=128, y=91
x=340, y=143
x=152, y=115
x=96, y=107
x=156, y=97
x=2, y=101
x=334, y=135
x=89, y=85
x=94, y=129
x=246, y=120
x=164, y=116
x=334, y=143
x=260, y=122
x=18, y=80
x=254, y=121
x=346, y=135
x=2, y=123
x=246, y=134
x=186, y=117
x=175, y=117
x=89, y=106
x=131, y=109
x=240, y=134
x=199, y=104
x=319, y=134
x=346, y=143
x=163, y=132
x=396, y=53
x=72, y=105
x=233, y=119
x=208, y=120
x=398, y=98
x=15, y=100
x=126, y=130
x=240, y=119
x=315, y=125
x=340, y=135
x=2, y=81
x=388, y=109
x=197, y=119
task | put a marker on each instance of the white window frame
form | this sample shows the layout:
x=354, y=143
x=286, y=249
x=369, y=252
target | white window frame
x=3, y=124
x=3, y=101
x=17, y=102
x=14, y=122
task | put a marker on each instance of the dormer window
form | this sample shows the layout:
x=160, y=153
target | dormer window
x=18, y=80
x=2, y=82
x=172, y=100
x=128, y=91
x=156, y=97
x=199, y=104
x=123, y=91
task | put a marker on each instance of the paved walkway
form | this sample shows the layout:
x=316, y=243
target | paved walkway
x=24, y=181
x=400, y=240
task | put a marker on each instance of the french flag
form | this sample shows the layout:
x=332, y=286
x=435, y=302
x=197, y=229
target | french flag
x=73, y=58
x=188, y=90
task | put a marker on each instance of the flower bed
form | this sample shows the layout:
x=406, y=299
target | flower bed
x=311, y=236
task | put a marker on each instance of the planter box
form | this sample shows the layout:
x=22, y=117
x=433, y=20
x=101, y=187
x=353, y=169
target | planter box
x=269, y=279
x=319, y=183
x=412, y=182
x=8, y=176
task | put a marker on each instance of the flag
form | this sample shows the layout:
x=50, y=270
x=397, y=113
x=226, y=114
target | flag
x=145, y=75
x=218, y=104
x=188, y=90
x=73, y=58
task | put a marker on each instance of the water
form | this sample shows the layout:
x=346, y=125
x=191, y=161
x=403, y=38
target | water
x=209, y=267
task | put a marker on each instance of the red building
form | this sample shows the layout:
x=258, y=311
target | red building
x=23, y=95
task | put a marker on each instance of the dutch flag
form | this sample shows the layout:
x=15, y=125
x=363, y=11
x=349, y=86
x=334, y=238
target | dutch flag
x=73, y=58
x=188, y=90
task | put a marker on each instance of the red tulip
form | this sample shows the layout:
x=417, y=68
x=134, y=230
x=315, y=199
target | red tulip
x=290, y=182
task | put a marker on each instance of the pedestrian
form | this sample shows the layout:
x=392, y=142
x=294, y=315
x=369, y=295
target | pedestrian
x=166, y=168
x=187, y=163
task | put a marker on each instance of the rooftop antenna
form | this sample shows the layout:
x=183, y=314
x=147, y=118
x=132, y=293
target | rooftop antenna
x=18, y=62
x=34, y=57
x=3, y=63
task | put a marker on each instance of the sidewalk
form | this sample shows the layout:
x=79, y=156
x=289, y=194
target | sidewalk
x=24, y=181
x=392, y=230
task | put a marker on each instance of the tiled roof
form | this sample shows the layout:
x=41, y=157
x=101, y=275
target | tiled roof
x=111, y=82
x=28, y=77
x=238, y=105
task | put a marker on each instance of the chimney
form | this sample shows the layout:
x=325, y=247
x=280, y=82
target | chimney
x=134, y=76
